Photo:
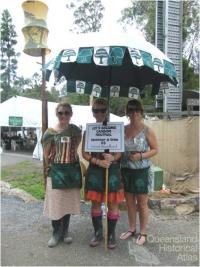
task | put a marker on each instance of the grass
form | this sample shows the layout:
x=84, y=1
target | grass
x=27, y=176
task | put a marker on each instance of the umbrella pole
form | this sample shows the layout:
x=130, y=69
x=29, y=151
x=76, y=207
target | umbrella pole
x=44, y=111
x=106, y=208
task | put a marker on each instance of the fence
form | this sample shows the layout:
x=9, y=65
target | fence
x=178, y=142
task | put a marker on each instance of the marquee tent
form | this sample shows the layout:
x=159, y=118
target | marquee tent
x=31, y=112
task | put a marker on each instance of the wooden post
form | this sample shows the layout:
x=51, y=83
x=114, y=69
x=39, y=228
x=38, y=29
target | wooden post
x=44, y=109
x=106, y=210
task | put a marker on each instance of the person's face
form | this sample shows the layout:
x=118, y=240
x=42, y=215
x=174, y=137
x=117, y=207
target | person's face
x=99, y=112
x=133, y=112
x=64, y=115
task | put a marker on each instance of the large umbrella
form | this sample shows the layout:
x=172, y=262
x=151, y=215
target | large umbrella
x=111, y=66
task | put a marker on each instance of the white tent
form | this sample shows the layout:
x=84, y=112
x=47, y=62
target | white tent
x=31, y=112
x=27, y=108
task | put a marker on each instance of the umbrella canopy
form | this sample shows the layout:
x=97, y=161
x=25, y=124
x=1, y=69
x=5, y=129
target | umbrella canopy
x=112, y=66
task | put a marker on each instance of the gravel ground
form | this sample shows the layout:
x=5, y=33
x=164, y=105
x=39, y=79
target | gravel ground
x=10, y=158
x=172, y=241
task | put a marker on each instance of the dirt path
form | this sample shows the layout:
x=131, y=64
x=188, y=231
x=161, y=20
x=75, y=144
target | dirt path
x=25, y=233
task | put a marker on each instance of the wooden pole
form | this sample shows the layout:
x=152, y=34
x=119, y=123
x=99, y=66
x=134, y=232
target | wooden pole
x=44, y=109
x=106, y=209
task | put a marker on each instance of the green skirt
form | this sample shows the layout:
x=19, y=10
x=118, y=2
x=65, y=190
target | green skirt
x=95, y=178
x=65, y=176
x=135, y=180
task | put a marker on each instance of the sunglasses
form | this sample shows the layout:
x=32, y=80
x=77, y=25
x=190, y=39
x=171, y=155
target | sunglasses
x=66, y=113
x=99, y=110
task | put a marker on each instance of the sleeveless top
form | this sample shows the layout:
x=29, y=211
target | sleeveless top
x=63, y=145
x=137, y=144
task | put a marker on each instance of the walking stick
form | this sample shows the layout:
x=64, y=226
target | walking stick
x=106, y=208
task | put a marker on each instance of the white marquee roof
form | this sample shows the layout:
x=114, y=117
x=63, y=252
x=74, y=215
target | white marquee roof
x=31, y=112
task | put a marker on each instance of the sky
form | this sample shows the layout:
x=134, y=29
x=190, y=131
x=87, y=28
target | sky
x=58, y=22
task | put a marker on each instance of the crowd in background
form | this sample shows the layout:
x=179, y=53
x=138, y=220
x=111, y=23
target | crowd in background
x=14, y=141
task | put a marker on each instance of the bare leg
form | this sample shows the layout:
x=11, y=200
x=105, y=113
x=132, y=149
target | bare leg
x=143, y=209
x=131, y=209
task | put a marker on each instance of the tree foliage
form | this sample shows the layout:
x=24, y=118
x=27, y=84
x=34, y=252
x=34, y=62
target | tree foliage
x=87, y=15
x=32, y=88
x=144, y=16
x=8, y=55
x=191, y=35
x=190, y=78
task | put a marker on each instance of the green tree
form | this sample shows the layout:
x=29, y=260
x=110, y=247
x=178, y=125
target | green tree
x=191, y=36
x=32, y=88
x=87, y=15
x=144, y=16
x=117, y=105
x=190, y=78
x=8, y=55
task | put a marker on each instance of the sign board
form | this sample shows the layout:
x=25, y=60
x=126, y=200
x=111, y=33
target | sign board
x=100, y=137
x=15, y=121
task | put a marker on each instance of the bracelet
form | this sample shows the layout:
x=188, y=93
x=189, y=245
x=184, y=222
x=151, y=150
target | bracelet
x=141, y=157
x=94, y=161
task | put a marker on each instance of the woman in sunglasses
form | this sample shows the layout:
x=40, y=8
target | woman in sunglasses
x=140, y=146
x=95, y=183
x=62, y=197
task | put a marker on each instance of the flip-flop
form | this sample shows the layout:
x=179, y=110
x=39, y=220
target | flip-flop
x=139, y=237
x=127, y=234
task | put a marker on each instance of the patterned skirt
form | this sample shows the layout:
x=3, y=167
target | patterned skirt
x=95, y=184
x=135, y=180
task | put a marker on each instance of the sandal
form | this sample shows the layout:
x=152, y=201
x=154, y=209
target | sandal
x=127, y=234
x=139, y=238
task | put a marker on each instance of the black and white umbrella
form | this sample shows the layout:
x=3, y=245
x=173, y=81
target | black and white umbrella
x=111, y=66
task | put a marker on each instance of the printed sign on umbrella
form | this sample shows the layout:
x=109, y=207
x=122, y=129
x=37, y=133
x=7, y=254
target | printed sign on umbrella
x=111, y=66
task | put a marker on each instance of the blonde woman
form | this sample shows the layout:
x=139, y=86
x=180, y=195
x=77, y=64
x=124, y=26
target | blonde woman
x=62, y=197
